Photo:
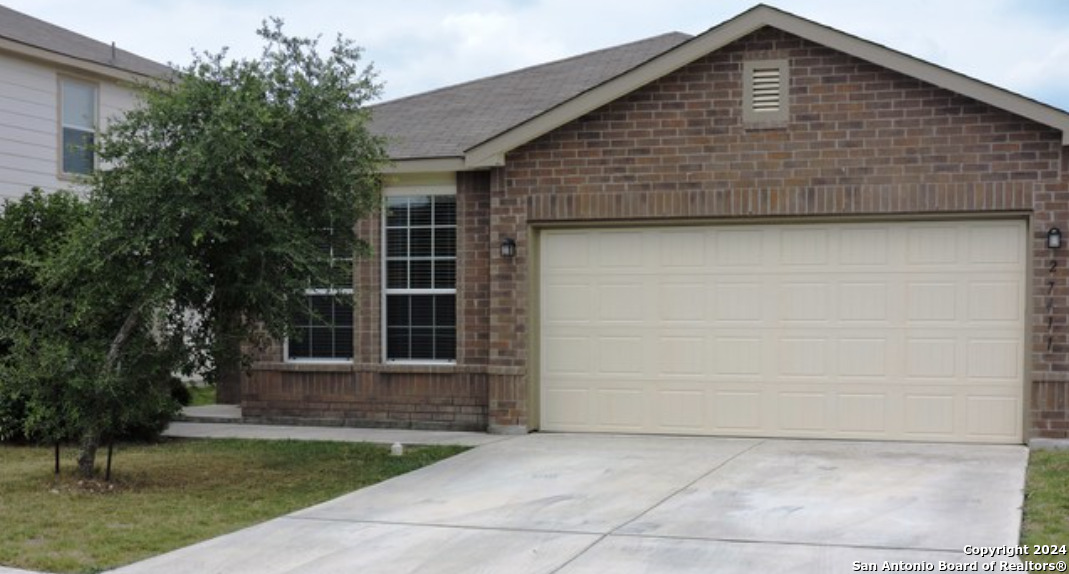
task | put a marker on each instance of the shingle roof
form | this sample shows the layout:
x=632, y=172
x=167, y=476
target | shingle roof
x=448, y=121
x=19, y=27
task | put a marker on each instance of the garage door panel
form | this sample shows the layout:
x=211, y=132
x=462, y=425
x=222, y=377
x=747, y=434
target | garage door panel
x=997, y=244
x=621, y=301
x=566, y=250
x=862, y=413
x=994, y=358
x=566, y=408
x=737, y=355
x=736, y=248
x=621, y=355
x=619, y=249
x=864, y=247
x=681, y=302
x=804, y=301
x=681, y=410
x=682, y=249
x=802, y=411
x=994, y=301
x=738, y=301
x=681, y=355
x=929, y=413
x=997, y=417
x=802, y=356
x=869, y=330
x=860, y=357
x=932, y=245
x=932, y=300
x=863, y=301
x=572, y=355
x=803, y=246
x=620, y=408
x=737, y=410
x=568, y=302
x=931, y=357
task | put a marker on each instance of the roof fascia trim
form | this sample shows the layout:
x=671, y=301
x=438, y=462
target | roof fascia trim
x=484, y=154
x=922, y=70
x=40, y=54
x=424, y=165
x=490, y=152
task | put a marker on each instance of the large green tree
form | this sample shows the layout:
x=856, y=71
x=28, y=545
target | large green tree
x=207, y=222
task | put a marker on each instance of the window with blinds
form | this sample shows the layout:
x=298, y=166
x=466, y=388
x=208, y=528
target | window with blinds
x=323, y=328
x=78, y=113
x=421, y=271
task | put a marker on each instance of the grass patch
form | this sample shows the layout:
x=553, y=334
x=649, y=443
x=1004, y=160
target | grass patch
x=172, y=494
x=201, y=395
x=1046, y=502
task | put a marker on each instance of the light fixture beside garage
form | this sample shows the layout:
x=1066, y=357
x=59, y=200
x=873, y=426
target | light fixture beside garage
x=1054, y=238
x=508, y=248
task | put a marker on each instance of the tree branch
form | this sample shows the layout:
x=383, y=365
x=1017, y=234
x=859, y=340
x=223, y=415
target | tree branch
x=127, y=329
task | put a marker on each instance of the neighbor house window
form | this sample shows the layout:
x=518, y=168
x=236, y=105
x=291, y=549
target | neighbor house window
x=78, y=112
x=421, y=271
x=323, y=329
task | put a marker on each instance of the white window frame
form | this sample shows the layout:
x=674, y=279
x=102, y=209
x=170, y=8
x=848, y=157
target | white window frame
x=61, y=82
x=411, y=191
x=323, y=292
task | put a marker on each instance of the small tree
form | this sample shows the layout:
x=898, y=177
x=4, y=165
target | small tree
x=32, y=229
x=207, y=225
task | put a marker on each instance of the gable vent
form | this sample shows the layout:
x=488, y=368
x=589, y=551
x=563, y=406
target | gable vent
x=766, y=90
x=766, y=94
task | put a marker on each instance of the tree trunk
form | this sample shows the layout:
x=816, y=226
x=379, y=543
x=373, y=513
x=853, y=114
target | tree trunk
x=91, y=432
x=107, y=473
x=227, y=368
x=88, y=455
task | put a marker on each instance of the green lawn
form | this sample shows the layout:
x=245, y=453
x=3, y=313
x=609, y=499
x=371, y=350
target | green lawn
x=202, y=395
x=173, y=494
x=1046, y=503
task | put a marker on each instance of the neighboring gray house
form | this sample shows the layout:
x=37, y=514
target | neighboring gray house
x=57, y=88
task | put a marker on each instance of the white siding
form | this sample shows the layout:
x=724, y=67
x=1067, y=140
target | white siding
x=29, y=142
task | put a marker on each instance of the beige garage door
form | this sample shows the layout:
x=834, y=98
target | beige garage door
x=904, y=331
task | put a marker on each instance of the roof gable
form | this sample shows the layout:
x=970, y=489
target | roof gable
x=445, y=122
x=28, y=36
x=490, y=151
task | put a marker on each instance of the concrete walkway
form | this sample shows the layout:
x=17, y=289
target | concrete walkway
x=577, y=504
x=211, y=413
x=338, y=434
x=224, y=421
x=6, y=570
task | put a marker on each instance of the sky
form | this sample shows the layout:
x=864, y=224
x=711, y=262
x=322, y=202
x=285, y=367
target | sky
x=419, y=45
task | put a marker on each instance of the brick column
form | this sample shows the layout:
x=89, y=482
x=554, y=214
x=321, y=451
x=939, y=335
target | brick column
x=507, y=380
x=1049, y=405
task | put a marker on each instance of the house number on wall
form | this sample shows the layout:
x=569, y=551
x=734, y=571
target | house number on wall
x=1050, y=305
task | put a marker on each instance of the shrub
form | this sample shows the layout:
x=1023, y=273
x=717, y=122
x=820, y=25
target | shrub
x=32, y=228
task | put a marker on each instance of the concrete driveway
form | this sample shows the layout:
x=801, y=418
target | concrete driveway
x=597, y=503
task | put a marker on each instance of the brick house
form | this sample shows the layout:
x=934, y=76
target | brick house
x=770, y=229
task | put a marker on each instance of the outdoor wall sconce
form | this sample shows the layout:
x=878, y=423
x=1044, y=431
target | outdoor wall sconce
x=1054, y=238
x=508, y=248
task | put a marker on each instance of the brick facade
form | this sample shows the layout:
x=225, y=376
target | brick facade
x=370, y=393
x=862, y=141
